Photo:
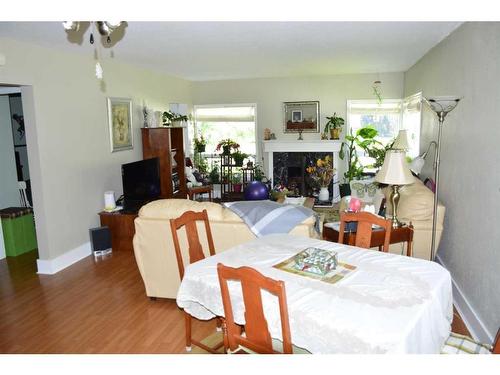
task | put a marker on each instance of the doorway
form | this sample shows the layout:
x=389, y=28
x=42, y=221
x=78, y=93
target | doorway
x=17, y=229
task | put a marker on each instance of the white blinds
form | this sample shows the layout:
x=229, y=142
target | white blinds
x=225, y=114
x=366, y=107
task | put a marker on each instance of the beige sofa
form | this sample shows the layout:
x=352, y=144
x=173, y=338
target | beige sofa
x=154, y=249
x=416, y=206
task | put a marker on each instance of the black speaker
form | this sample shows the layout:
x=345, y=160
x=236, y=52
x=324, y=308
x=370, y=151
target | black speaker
x=100, y=240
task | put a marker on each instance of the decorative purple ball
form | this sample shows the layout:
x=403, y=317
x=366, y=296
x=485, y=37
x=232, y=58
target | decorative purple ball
x=256, y=191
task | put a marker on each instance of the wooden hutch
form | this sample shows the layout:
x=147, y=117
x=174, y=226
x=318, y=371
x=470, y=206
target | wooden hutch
x=167, y=144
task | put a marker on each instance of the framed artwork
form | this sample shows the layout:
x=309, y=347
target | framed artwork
x=120, y=124
x=301, y=116
x=296, y=116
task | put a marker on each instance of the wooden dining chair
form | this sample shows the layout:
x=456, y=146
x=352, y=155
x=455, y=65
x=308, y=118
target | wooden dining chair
x=188, y=220
x=256, y=338
x=496, y=344
x=365, y=221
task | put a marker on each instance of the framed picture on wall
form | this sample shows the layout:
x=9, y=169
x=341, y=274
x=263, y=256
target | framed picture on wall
x=301, y=116
x=120, y=124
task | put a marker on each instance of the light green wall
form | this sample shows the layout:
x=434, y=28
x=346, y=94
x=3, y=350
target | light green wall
x=466, y=63
x=270, y=93
x=9, y=190
x=70, y=152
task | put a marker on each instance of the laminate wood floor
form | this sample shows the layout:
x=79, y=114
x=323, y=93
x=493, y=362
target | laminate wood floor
x=91, y=307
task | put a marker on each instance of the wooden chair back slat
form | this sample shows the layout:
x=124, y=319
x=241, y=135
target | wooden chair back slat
x=496, y=344
x=257, y=337
x=364, y=229
x=188, y=220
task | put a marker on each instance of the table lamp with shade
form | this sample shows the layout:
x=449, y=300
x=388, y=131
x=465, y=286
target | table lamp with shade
x=401, y=141
x=395, y=172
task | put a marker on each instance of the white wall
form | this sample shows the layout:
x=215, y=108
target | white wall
x=270, y=93
x=9, y=191
x=68, y=140
x=466, y=63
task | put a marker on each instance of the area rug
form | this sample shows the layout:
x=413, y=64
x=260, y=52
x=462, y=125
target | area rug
x=210, y=341
x=329, y=214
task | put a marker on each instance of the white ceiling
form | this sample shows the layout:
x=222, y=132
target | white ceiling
x=225, y=50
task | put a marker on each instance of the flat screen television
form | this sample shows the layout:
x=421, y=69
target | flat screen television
x=141, y=183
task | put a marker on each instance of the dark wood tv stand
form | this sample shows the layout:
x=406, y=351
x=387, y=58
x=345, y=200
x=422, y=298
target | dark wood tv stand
x=122, y=228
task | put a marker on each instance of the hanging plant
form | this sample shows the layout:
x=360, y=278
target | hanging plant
x=377, y=92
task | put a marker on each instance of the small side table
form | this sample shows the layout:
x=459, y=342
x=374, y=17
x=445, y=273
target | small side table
x=200, y=190
x=402, y=234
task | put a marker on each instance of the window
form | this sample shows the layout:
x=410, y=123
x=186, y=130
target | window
x=226, y=121
x=388, y=118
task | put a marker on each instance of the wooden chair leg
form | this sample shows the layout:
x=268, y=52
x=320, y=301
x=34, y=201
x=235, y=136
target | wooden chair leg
x=187, y=318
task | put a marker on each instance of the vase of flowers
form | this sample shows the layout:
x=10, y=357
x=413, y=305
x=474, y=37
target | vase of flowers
x=226, y=145
x=200, y=144
x=322, y=174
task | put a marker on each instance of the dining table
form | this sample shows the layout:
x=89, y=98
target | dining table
x=386, y=303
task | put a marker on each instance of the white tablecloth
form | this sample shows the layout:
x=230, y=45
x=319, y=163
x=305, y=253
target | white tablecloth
x=390, y=304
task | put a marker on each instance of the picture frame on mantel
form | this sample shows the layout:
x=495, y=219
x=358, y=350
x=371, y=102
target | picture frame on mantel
x=120, y=124
x=301, y=116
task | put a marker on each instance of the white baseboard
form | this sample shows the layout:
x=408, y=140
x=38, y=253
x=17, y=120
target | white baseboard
x=471, y=319
x=52, y=266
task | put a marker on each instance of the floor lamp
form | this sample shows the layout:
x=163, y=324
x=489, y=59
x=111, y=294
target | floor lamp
x=442, y=106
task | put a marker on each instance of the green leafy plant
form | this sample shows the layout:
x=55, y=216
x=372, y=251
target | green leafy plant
x=200, y=144
x=169, y=117
x=214, y=174
x=236, y=179
x=334, y=122
x=238, y=157
x=258, y=172
x=364, y=139
x=200, y=163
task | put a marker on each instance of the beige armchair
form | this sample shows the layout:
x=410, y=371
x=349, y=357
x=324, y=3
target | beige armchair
x=154, y=248
x=416, y=206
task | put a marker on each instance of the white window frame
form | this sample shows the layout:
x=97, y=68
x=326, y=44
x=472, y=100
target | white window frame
x=231, y=105
x=373, y=101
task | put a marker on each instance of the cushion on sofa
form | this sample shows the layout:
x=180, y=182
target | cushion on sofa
x=416, y=201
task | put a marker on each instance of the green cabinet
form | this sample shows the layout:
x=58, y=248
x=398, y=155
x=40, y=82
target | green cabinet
x=18, y=230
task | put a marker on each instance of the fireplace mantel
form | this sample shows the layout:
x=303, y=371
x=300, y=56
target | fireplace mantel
x=330, y=146
x=302, y=146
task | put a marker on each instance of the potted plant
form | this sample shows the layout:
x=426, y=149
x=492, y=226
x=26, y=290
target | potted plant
x=236, y=181
x=214, y=175
x=322, y=175
x=169, y=118
x=238, y=157
x=334, y=126
x=258, y=173
x=200, y=163
x=200, y=144
x=364, y=139
x=279, y=191
x=227, y=145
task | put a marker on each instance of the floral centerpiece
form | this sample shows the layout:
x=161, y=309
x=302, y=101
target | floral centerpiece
x=322, y=173
x=227, y=145
x=200, y=144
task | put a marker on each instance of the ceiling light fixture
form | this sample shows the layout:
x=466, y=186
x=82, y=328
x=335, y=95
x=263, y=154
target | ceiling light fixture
x=104, y=28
